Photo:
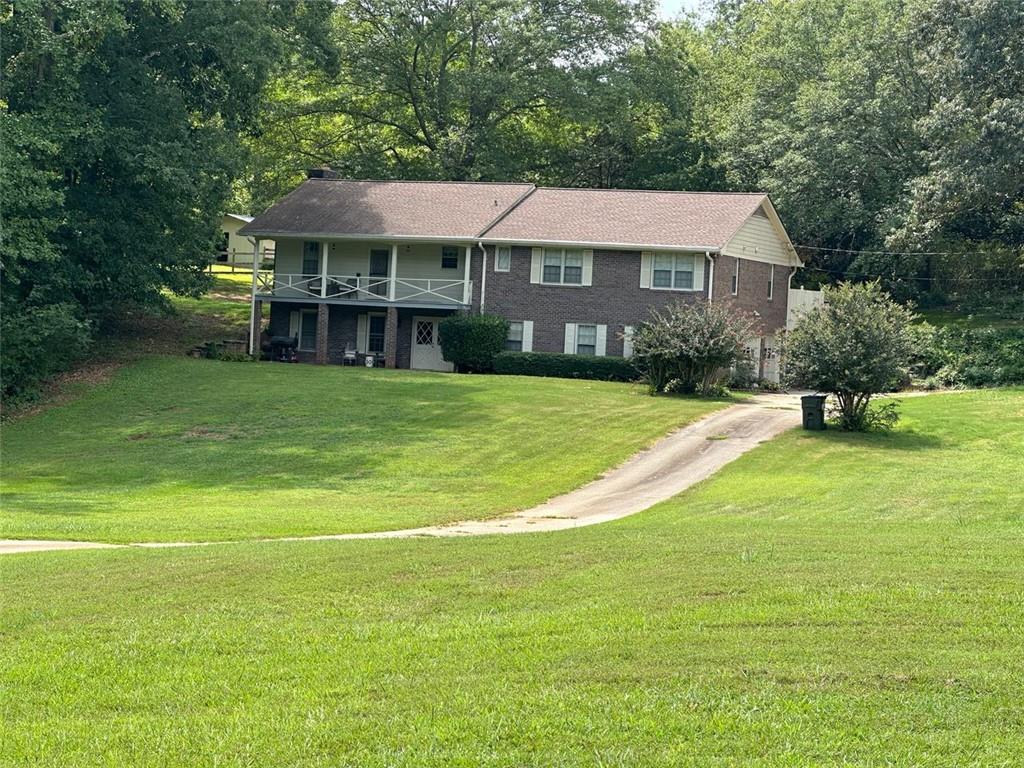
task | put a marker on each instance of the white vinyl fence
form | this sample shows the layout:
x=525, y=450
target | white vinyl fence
x=801, y=300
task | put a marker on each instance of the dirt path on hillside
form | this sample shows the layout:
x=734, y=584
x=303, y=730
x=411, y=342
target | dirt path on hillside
x=668, y=467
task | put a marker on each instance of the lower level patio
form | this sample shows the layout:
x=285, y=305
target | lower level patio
x=339, y=334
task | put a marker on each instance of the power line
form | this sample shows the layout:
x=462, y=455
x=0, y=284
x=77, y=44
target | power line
x=911, y=278
x=899, y=253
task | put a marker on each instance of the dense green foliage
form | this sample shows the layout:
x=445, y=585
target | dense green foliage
x=858, y=343
x=472, y=341
x=827, y=599
x=691, y=345
x=173, y=449
x=565, y=366
x=967, y=357
x=121, y=123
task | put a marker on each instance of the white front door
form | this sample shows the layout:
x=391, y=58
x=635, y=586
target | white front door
x=426, y=346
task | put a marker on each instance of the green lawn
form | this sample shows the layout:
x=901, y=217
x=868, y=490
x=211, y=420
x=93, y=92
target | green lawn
x=827, y=599
x=177, y=449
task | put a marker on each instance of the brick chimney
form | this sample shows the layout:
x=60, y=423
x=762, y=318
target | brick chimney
x=323, y=172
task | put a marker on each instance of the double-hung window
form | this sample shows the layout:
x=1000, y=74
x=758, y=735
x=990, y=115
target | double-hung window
x=673, y=270
x=503, y=258
x=449, y=257
x=586, y=339
x=310, y=258
x=514, y=342
x=563, y=266
x=375, y=334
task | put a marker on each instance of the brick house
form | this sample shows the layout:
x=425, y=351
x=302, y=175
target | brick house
x=368, y=268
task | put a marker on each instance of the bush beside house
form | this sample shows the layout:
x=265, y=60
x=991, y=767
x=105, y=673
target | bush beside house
x=471, y=342
x=691, y=347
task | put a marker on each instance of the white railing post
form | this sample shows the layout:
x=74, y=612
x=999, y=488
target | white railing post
x=393, y=272
x=323, y=270
x=252, y=306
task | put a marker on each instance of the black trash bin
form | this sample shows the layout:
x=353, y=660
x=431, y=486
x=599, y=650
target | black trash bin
x=813, y=407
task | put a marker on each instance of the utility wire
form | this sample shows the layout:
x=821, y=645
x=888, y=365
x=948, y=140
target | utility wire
x=899, y=253
x=911, y=278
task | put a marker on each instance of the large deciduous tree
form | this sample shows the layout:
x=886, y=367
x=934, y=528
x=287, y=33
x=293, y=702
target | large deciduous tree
x=121, y=123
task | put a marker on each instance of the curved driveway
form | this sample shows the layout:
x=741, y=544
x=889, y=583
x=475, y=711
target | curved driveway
x=673, y=464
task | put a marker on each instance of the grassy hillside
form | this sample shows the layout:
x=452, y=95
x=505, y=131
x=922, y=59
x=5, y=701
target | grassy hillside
x=827, y=599
x=178, y=449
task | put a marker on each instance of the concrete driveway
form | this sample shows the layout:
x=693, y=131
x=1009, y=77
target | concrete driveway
x=668, y=467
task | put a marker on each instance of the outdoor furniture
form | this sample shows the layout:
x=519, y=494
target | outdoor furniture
x=283, y=348
x=349, y=356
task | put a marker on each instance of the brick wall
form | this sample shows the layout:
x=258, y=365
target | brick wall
x=615, y=299
x=753, y=290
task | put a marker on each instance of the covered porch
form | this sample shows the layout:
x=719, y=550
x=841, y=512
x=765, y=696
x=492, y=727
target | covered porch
x=370, y=272
x=345, y=334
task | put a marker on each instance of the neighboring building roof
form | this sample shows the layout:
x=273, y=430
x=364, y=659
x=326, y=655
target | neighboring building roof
x=704, y=220
x=405, y=209
x=513, y=213
x=238, y=216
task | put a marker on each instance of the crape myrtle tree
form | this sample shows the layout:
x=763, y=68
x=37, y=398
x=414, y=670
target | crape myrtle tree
x=120, y=124
x=692, y=344
x=855, y=345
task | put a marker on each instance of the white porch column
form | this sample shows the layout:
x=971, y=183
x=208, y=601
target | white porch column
x=393, y=272
x=465, y=275
x=323, y=269
x=252, y=300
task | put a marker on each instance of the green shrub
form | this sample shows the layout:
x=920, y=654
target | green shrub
x=855, y=345
x=472, y=341
x=693, y=345
x=37, y=343
x=968, y=357
x=565, y=366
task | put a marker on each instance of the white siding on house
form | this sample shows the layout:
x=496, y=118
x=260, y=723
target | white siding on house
x=758, y=240
x=239, y=247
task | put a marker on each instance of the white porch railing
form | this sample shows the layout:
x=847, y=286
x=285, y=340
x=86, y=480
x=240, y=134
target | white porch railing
x=441, y=291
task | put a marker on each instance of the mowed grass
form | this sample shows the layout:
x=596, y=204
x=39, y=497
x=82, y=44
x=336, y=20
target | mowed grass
x=827, y=599
x=179, y=449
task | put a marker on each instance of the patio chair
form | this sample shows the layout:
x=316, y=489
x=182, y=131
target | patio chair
x=349, y=356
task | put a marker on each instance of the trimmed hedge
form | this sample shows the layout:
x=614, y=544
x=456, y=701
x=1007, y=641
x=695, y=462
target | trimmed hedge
x=472, y=341
x=565, y=366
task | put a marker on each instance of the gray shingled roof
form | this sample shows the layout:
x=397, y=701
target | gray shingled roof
x=627, y=217
x=517, y=213
x=428, y=209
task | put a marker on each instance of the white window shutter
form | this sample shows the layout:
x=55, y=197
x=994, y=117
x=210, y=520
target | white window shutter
x=536, y=264
x=627, y=341
x=527, y=335
x=698, y=271
x=588, y=267
x=646, y=257
x=362, y=332
x=601, y=347
x=570, y=338
x=293, y=323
